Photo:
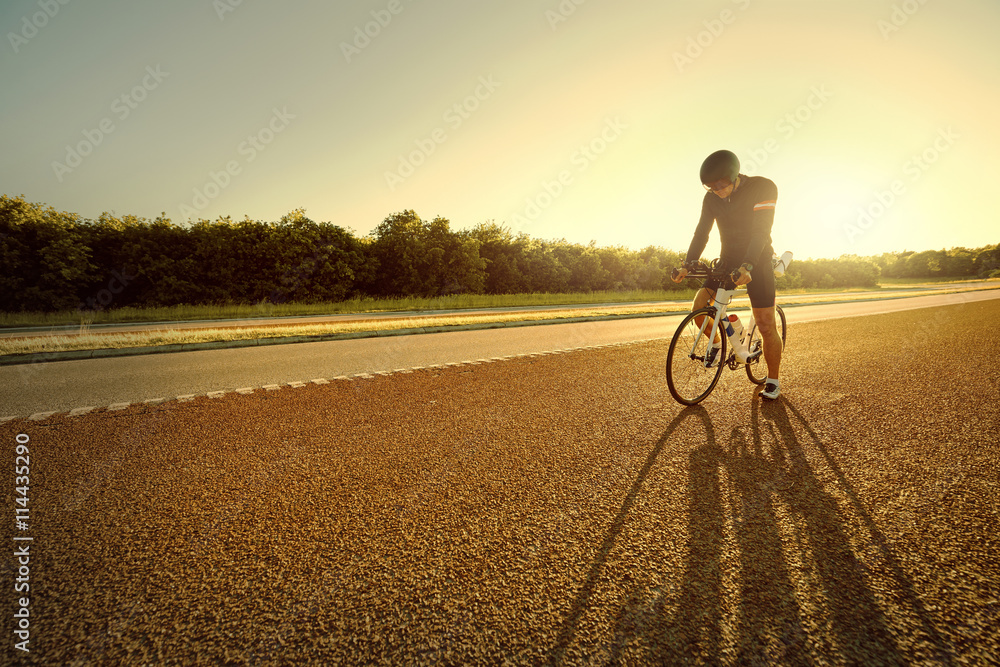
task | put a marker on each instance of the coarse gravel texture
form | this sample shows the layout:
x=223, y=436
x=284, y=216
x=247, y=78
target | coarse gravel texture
x=542, y=509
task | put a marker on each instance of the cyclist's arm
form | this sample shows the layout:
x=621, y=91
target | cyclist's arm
x=761, y=222
x=700, y=240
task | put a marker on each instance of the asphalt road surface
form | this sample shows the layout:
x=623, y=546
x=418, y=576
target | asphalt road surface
x=62, y=386
x=557, y=508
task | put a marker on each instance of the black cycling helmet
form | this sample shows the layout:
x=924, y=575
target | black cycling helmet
x=720, y=166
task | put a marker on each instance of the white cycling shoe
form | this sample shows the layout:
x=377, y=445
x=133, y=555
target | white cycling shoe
x=771, y=391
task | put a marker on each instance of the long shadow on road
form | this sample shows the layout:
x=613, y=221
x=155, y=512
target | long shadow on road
x=770, y=573
x=801, y=590
x=845, y=577
x=580, y=603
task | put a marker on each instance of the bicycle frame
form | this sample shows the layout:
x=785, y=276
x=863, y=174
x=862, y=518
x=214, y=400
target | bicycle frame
x=687, y=384
x=722, y=299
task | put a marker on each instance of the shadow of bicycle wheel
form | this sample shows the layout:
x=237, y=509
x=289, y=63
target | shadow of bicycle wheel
x=770, y=571
x=580, y=603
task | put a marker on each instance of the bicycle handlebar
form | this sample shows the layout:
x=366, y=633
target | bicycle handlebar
x=711, y=271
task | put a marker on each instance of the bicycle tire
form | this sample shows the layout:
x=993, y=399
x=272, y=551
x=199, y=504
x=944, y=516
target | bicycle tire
x=687, y=378
x=757, y=370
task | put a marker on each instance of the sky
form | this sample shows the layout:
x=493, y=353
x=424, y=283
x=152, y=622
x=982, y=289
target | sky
x=584, y=120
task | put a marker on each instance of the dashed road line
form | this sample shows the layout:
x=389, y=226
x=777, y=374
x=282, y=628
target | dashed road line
x=245, y=391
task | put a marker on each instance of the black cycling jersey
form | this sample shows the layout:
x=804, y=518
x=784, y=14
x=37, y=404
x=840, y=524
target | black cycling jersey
x=744, y=219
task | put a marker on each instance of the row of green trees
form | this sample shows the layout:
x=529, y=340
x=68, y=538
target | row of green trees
x=55, y=260
x=939, y=263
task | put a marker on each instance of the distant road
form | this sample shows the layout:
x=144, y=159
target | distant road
x=70, y=329
x=66, y=385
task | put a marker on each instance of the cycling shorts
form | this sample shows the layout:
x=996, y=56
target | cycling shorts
x=760, y=289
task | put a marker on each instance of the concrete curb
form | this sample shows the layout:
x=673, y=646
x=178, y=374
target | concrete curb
x=74, y=355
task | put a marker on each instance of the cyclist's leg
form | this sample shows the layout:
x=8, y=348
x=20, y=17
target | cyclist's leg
x=702, y=299
x=761, y=293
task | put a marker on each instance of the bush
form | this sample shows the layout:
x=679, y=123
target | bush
x=57, y=261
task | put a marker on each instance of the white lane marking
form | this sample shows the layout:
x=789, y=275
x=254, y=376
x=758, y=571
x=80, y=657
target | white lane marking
x=186, y=398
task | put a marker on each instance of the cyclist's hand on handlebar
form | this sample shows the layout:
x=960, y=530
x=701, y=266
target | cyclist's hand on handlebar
x=741, y=276
x=678, y=275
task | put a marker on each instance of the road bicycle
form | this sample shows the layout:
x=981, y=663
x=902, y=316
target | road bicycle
x=692, y=371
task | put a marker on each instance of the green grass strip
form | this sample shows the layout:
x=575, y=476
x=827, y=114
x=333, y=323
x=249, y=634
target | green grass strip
x=86, y=339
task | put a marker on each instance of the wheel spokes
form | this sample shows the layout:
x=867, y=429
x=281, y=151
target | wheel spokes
x=690, y=378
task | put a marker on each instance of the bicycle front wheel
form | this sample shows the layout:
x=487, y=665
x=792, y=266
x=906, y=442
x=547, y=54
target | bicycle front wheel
x=757, y=369
x=687, y=377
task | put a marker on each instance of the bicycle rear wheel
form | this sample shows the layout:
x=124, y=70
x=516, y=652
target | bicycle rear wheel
x=757, y=369
x=688, y=379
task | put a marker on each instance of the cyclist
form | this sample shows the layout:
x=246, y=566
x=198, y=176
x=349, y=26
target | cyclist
x=743, y=207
